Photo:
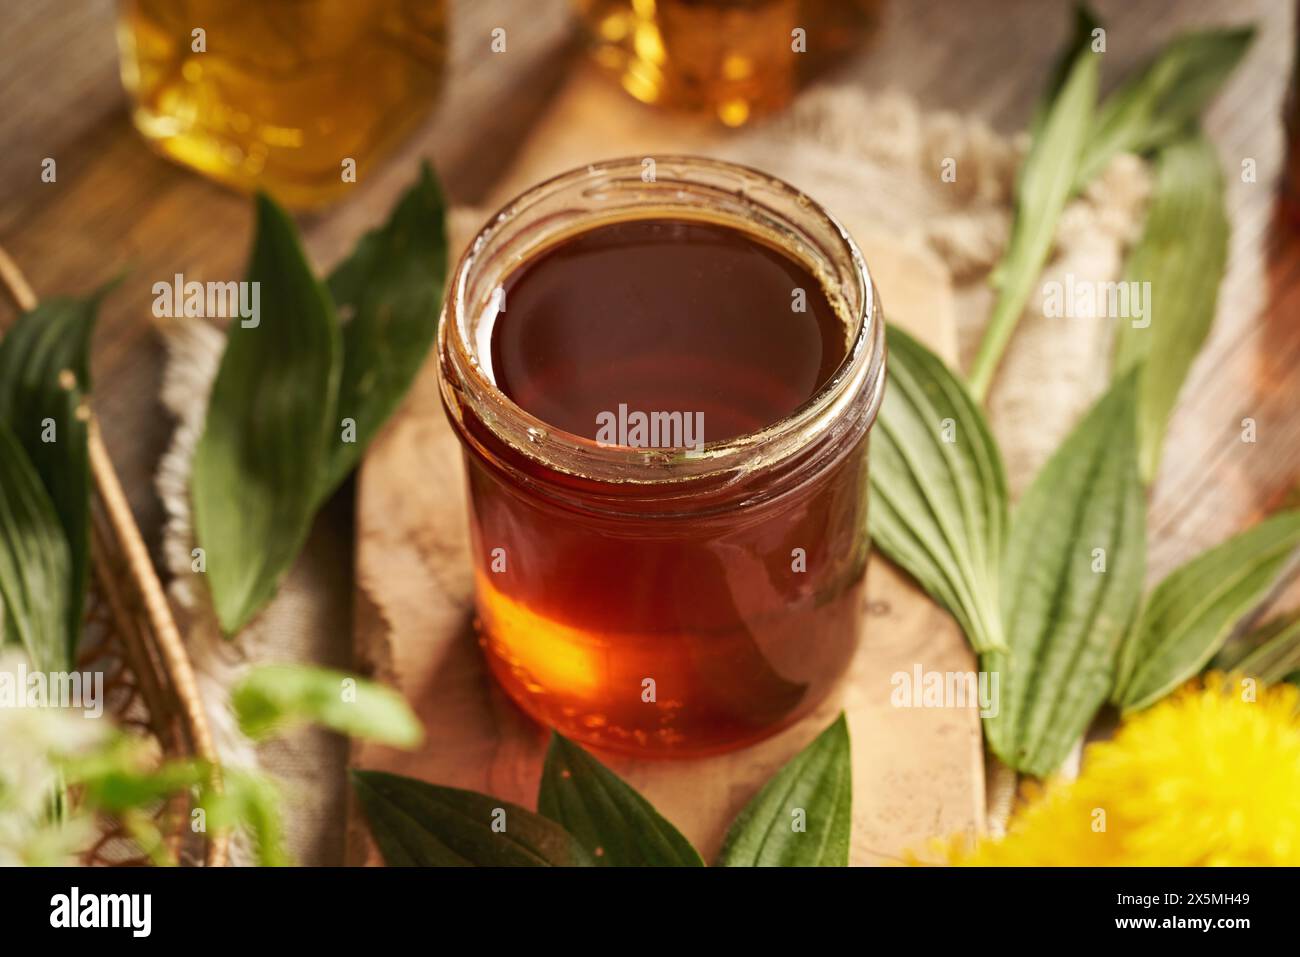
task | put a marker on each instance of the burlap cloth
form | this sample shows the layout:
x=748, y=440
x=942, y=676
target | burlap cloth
x=874, y=160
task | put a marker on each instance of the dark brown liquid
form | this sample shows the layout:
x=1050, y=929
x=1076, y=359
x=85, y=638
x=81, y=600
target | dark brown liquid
x=680, y=623
x=665, y=316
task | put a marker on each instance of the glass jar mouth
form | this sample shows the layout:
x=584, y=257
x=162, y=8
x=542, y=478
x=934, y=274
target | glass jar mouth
x=681, y=187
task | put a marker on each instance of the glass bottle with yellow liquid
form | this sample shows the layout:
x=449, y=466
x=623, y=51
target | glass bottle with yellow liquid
x=297, y=97
x=736, y=59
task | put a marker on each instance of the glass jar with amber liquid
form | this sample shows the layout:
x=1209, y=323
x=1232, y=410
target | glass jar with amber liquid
x=297, y=97
x=663, y=384
x=734, y=59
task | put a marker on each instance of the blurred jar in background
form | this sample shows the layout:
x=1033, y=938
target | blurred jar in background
x=278, y=94
x=736, y=59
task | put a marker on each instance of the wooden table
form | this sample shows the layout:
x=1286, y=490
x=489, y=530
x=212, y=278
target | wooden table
x=117, y=206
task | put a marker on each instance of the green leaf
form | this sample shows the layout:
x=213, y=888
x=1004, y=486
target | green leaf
x=272, y=697
x=1063, y=617
x=121, y=776
x=118, y=780
x=1072, y=143
x=250, y=801
x=1182, y=255
x=1190, y=614
x=257, y=467
x=44, y=384
x=1167, y=96
x=1271, y=652
x=1045, y=184
x=1081, y=40
x=35, y=567
x=392, y=287
x=605, y=814
x=423, y=825
x=939, y=493
x=815, y=789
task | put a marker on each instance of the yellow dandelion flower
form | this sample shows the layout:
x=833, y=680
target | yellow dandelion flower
x=1209, y=776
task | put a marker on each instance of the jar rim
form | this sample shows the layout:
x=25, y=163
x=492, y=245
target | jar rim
x=462, y=376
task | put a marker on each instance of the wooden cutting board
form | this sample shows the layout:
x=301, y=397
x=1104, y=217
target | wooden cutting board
x=917, y=772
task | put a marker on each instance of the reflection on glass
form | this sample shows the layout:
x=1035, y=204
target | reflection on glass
x=735, y=59
x=293, y=96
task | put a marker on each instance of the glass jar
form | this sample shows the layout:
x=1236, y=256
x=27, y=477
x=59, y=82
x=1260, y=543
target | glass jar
x=735, y=59
x=655, y=601
x=297, y=97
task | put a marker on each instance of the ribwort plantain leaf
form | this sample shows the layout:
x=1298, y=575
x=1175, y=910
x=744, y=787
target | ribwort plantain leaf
x=1044, y=185
x=939, y=493
x=296, y=400
x=1071, y=580
x=803, y=816
x=44, y=386
x=1271, y=652
x=1072, y=143
x=615, y=823
x=1160, y=102
x=391, y=286
x=257, y=467
x=1189, y=615
x=35, y=567
x=1182, y=254
x=1082, y=37
x=423, y=825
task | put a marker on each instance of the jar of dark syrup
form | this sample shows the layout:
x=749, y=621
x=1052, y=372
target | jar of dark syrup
x=663, y=374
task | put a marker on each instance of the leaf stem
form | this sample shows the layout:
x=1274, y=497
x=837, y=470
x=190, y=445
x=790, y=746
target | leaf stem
x=993, y=344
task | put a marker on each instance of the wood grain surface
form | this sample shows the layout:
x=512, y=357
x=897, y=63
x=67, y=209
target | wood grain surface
x=117, y=205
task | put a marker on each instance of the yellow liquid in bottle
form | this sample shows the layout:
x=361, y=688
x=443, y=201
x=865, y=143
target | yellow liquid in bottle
x=735, y=59
x=291, y=96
